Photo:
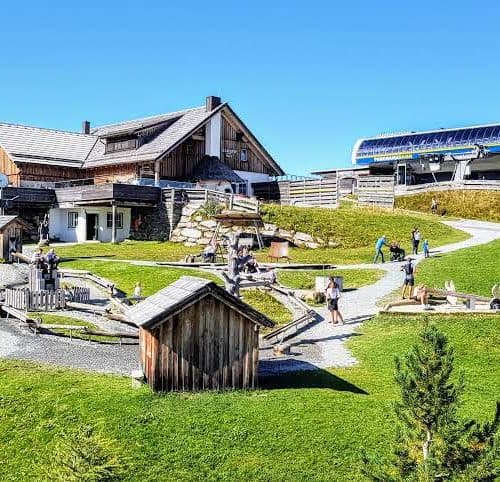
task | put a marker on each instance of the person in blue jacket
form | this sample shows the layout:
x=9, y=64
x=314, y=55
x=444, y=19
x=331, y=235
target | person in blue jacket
x=381, y=242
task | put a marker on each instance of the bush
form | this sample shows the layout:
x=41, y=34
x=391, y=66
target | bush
x=209, y=209
x=84, y=456
x=460, y=203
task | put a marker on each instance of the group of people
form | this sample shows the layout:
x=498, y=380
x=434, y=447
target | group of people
x=46, y=262
x=398, y=253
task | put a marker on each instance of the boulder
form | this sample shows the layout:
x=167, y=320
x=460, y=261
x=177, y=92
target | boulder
x=312, y=245
x=191, y=233
x=306, y=238
x=210, y=223
x=190, y=244
x=204, y=241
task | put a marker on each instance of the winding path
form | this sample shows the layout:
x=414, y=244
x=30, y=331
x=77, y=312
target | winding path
x=320, y=345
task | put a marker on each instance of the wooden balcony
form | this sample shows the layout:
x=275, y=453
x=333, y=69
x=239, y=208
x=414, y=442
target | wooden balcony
x=106, y=194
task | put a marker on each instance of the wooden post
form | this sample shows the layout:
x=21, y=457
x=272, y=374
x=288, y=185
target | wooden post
x=157, y=173
x=113, y=222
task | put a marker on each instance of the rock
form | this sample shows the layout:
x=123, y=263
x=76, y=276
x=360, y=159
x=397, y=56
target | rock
x=307, y=238
x=191, y=233
x=190, y=244
x=312, y=245
x=208, y=224
x=204, y=241
x=332, y=244
x=268, y=232
x=285, y=234
x=198, y=219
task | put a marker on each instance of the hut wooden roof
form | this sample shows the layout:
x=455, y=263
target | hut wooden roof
x=6, y=220
x=183, y=293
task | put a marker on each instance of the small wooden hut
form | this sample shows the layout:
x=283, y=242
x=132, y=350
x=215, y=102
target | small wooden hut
x=194, y=335
x=11, y=236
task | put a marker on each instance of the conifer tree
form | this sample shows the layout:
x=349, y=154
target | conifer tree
x=432, y=442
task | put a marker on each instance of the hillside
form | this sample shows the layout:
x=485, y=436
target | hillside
x=464, y=204
x=357, y=227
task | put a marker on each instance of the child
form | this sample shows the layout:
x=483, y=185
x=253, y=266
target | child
x=425, y=247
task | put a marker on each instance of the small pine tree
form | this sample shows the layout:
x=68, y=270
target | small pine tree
x=432, y=442
x=85, y=456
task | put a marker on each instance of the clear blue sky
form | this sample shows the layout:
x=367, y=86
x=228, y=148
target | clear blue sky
x=308, y=78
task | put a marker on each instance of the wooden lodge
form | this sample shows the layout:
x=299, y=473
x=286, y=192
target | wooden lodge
x=196, y=336
x=207, y=147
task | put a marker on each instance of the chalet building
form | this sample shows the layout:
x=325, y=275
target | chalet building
x=122, y=166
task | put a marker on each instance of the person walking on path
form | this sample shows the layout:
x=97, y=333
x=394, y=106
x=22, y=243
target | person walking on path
x=415, y=239
x=425, y=247
x=409, y=279
x=332, y=299
x=381, y=242
x=434, y=206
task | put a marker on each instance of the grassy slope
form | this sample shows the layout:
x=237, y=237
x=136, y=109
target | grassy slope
x=464, y=204
x=308, y=426
x=354, y=230
x=267, y=304
x=473, y=270
x=305, y=279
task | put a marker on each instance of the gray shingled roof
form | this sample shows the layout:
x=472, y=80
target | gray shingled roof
x=182, y=293
x=37, y=145
x=4, y=220
x=211, y=168
x=166, y=140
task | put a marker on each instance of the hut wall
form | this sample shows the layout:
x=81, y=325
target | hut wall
x=9, y=168
x=208, y=346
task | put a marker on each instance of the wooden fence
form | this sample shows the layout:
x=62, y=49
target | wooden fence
x=43, y=300
x=376, y=191
x=486, y=185
x=303, y=192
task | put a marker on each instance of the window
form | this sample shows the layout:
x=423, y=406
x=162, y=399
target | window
x=114, y=145
x=243, y=155
x=72, y=219
x=118, y=220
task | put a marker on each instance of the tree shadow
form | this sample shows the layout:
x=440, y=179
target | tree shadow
x=300, y=374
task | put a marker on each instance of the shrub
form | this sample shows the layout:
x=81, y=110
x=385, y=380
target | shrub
x=85, y=456
x=209, y=209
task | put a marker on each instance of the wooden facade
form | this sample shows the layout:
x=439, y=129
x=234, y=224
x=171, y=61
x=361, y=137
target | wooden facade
x=9, y=168
x=196, y=336
x=208, y=346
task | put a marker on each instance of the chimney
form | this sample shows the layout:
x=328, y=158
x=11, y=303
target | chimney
x=85, y=127
x=212, y=102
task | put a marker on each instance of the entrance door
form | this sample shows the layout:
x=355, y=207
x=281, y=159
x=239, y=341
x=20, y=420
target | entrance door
x=401, y=174
x=92, y=227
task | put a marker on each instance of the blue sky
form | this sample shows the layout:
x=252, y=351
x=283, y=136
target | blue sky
x=308, y=78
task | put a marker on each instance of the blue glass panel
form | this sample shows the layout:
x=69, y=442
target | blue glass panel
x=496, y=133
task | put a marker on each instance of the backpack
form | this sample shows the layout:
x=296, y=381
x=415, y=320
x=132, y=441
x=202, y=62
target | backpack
x=409, y=269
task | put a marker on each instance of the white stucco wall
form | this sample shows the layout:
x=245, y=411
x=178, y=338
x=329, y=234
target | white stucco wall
x=252, y=177
x=58, y=224
x=212, y=135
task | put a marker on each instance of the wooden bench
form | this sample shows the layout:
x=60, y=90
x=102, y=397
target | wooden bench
x=279, y=250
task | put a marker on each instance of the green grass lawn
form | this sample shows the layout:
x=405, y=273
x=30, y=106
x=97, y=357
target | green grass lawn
x=126, y=275
x=462, y=203
x=267, y=304
x=153, y=279
x=355, y=231
x=305, y=279
x=308, y=426
x=473, y=270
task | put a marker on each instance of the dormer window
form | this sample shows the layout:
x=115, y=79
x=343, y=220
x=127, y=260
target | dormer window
x=115, y=145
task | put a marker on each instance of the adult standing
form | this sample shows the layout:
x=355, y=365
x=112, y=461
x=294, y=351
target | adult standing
x=409, y=279
x=332, y=299
x=415, y=239
x=434, y=206
x=381, y=242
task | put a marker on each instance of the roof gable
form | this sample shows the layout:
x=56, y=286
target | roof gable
x=6, y=220
x=184, y=292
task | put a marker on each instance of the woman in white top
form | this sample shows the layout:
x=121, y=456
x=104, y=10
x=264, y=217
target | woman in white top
x=332, y=299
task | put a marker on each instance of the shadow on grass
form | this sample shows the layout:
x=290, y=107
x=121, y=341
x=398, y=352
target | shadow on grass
x=77, y=258
x=309, y=376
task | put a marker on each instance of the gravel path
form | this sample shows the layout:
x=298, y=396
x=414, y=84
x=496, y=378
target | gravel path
x=321, y=344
